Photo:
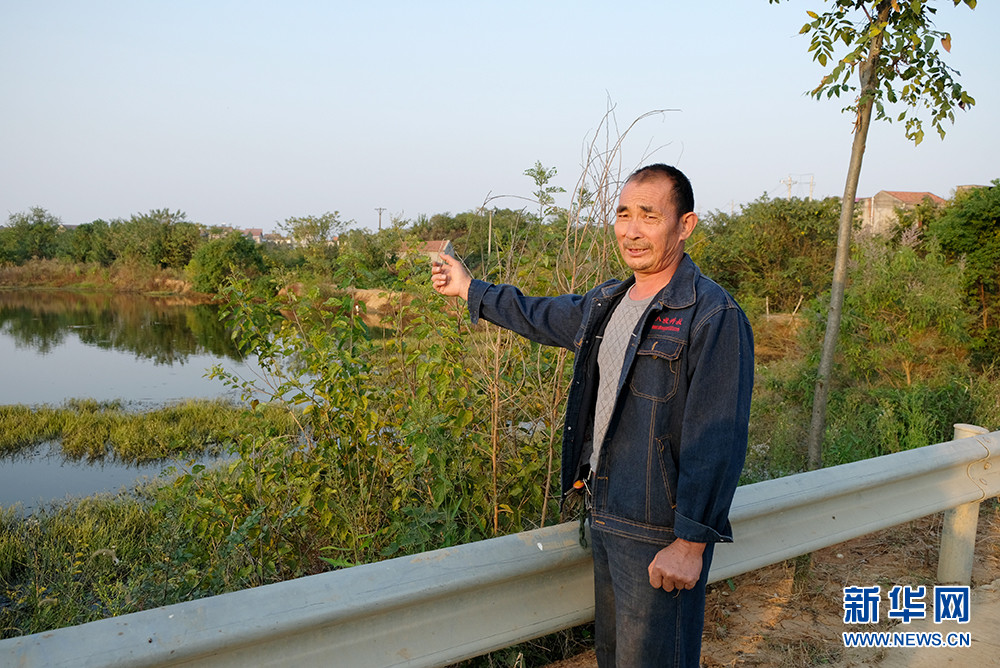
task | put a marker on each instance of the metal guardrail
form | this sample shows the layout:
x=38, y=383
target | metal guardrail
x=443, y=606
x=783, y=518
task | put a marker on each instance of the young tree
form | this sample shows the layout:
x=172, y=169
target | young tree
x=892, y=46
x=545, y=192
x=903, y=323
x=161, y=238
x=364, y=258
x=308, y=230
x=180, y=241
x=316, y=236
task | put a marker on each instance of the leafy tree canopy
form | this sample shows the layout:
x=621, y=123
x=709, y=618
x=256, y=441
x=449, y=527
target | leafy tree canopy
x=161, y=237
x=29, y=234
x=217, y=260
x=309, y=230
x=775, y=249
x=909, y=71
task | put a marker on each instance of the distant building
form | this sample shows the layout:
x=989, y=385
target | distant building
x=275, y=238
x=878, y=213
x=961, y=189
x=216, y=232
x=255, y=233
x=432, y=248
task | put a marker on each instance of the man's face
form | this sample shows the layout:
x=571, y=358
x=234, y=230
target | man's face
x=649, y=232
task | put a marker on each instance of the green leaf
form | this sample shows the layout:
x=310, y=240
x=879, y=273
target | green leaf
x=464, y=418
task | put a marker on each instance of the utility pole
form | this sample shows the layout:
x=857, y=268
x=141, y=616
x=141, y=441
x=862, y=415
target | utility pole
x=380, y=209
x=788, y=182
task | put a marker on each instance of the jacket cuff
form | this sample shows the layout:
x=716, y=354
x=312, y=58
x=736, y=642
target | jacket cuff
x=695, y=532
x=477, y=290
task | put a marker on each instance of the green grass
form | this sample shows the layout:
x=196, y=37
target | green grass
x=73, y=564
x=93, y=430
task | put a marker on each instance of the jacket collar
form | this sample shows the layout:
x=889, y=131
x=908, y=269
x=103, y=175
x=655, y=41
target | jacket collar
x=678, y=293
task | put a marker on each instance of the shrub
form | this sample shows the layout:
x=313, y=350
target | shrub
x=969, y=230
x=216, y=261
x=903, y=318
x=779, y=251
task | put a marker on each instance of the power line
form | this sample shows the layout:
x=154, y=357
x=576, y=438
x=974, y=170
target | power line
x=789, y=182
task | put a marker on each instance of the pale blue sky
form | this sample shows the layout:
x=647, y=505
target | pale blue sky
x=247, y=113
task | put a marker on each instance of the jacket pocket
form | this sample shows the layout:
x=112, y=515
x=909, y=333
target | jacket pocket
x=657, y=369
x=668, y=471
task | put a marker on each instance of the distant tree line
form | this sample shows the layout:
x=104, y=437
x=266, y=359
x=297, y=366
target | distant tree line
x=775, y=255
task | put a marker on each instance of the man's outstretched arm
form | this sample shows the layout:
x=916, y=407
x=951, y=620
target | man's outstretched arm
x=551, y=321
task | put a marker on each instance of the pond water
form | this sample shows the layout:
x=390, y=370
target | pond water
x=56, y=346
x=42, y=476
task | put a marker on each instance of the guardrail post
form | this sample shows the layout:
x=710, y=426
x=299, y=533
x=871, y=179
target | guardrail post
x=958, y=535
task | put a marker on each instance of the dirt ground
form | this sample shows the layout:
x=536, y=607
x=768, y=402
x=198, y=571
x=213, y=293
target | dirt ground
x=766, y=618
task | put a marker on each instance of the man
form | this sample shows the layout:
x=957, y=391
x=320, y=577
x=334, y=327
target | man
x=656, y=418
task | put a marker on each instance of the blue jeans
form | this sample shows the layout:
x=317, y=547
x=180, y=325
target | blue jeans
x=635, y=625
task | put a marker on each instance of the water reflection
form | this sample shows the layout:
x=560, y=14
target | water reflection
x=56, y=346
x=165, y=330
x=44, y=475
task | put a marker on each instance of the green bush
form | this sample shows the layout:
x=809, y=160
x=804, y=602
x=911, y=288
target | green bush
x=903, y=319
x=355, y=482
x=969, y=230
x=901, y=379
x=775, y=250
x=879, y=421
x=216, y=261
x=29, y=234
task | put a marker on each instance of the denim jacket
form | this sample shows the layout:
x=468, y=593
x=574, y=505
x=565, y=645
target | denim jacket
x=677, y=438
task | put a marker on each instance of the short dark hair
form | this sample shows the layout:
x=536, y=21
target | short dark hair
x=683, y=194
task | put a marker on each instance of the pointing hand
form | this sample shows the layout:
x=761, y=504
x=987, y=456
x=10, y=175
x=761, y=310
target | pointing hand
x=450, y=277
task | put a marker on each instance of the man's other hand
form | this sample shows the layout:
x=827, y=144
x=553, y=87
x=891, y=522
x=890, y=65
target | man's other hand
x=677, y=566
x=450, y=277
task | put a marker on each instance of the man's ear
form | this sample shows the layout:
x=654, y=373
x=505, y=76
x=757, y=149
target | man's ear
x=688, y=222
